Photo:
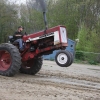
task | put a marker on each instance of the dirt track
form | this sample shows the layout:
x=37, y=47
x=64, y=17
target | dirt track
x=77, y=82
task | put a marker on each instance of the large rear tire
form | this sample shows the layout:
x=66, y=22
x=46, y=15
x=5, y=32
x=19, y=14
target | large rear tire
x=32, y=66
x=10, y=60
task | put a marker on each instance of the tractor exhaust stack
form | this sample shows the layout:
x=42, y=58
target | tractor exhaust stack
x=45, y=20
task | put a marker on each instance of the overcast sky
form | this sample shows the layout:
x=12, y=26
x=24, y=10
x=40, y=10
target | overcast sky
x=18, y=1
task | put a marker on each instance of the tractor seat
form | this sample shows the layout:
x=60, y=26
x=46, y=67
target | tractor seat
x=11, y=39
x=15, y=43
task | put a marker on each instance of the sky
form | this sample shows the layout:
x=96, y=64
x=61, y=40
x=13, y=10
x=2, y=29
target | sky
x=18, y=1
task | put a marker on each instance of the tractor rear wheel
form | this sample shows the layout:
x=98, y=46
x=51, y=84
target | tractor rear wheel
x=10, y=60
x=32, y=66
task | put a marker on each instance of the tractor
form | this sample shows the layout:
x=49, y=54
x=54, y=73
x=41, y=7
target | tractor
x=29, y=61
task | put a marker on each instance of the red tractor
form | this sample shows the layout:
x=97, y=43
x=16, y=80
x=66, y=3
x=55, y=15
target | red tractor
x=36, y=45
x=30, y=61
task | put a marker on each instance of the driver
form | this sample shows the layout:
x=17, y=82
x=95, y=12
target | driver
x=18, y=37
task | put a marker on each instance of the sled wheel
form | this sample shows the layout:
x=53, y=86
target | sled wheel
x=63, y=58
x=10, y=59
x=32, y=66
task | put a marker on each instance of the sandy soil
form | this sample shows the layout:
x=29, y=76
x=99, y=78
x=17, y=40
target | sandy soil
x=77, y=82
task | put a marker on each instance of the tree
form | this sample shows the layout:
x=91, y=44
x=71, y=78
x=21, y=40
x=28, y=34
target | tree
x=7, y=19
x=64, y=12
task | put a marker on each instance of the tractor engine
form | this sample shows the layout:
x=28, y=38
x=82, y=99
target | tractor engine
x=44, y=42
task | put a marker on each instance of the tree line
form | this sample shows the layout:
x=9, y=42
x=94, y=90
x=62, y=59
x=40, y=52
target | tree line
x=81, y=18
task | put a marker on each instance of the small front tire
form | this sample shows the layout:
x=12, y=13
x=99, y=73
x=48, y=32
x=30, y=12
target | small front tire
x=63, y=58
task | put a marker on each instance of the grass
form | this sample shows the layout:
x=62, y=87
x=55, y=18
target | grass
x=86, y=62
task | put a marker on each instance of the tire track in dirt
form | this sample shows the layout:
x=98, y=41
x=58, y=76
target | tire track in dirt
x=51, y=83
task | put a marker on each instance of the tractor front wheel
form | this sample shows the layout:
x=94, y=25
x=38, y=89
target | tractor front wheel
x=32, y=66
x=63, y=58
x=10, y=60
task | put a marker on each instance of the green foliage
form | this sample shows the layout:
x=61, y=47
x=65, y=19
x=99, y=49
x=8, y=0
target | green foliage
x=89, y=57
x=7, y=19
x=92, y=62
x=65, y=13
x=32, y=21
x=88, y=40
x=83, y=38
x=81, y=18
x=95, y=41
x=79, y=55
